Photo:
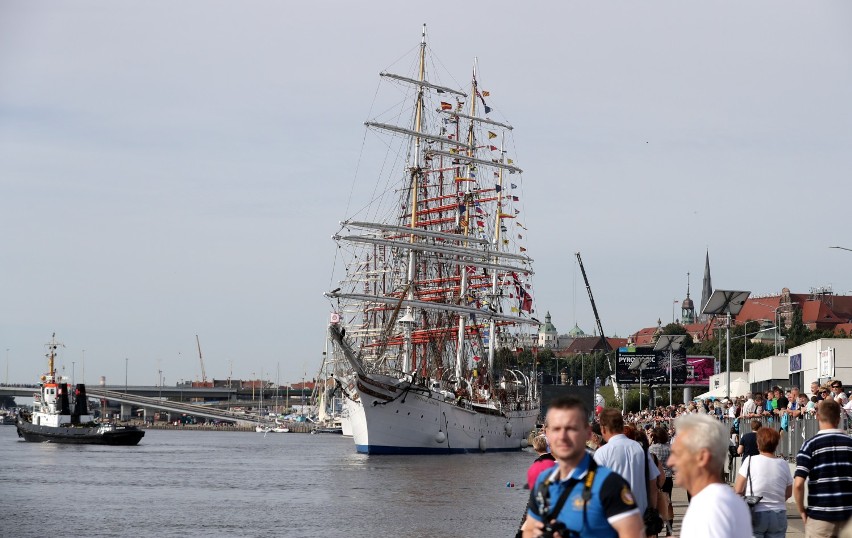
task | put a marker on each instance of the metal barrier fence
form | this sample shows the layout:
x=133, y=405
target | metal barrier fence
x=792, y=439
x=798, y=431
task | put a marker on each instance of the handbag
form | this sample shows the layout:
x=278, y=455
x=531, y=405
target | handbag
x=751, y=500
x=653, y=521
x=651, y=518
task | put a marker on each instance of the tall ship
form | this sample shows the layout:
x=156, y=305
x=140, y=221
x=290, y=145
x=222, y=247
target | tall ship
x=437, y=292
x=54, y=421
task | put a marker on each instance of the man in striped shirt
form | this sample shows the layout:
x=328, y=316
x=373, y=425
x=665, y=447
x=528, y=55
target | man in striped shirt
x=825, y=461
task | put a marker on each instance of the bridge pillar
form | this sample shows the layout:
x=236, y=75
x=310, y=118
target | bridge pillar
x=125, y=411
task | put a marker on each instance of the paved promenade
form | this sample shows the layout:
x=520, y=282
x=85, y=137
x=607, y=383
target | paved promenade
x=795, y=526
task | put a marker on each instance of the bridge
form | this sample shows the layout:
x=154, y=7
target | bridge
x=156, y=399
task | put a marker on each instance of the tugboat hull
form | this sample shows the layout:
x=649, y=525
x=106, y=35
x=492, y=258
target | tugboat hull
x=79, y=435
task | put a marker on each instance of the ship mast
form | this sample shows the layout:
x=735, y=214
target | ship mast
x=407, y=321
x=464, y=224
x=51, y=356
x=497, y=230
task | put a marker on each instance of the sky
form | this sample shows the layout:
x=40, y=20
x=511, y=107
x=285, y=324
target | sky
x=173, y=169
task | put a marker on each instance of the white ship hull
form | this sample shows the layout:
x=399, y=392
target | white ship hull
x=356, y=420
x=345, y=417
x=393, y=417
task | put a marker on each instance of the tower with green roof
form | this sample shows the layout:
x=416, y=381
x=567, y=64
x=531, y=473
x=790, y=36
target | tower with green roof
x=547, y=334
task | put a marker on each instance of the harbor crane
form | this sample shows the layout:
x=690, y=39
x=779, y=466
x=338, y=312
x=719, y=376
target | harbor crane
x=201, y=359
x=606, y=346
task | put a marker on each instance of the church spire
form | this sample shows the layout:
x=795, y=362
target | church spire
x=687, y=313
x=707, y=290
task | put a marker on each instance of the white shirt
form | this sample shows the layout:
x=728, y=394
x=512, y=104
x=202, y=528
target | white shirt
x=749, y=407
x=626, y=457
x=717, y=512
x=848, y=408
x=770, y=478
x=840, y=398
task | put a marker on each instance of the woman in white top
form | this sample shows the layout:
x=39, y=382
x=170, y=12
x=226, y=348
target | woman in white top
x=771, y=479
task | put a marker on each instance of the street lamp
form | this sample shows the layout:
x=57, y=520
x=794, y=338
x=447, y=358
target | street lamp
x=557, y=371
x=639, y=364
x=670, y=343
x=745, y=336
x=775, y=317
x=745, y=330
x=728, y=302
x=125, y=374
x=753, y=333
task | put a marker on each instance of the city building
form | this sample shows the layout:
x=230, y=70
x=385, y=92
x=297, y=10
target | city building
x=821, y=309
x=821, y=360
x=768, y=372
x=548, y=336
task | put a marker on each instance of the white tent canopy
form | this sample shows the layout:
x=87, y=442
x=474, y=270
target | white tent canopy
x=739, y=387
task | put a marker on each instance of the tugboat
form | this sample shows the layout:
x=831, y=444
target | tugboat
x=52, y=420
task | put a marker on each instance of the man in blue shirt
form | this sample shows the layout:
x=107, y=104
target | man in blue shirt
x=588, y=499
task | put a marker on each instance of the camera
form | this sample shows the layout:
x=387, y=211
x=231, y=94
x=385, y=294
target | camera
x=553, y=526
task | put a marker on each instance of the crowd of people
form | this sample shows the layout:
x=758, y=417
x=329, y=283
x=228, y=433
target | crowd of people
x=774, y=404
x=614, y=476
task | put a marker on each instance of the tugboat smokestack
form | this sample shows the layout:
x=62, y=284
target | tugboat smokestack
x=81, y=406
x=64, y=406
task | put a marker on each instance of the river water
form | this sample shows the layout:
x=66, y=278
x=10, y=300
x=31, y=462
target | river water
x=203, y=483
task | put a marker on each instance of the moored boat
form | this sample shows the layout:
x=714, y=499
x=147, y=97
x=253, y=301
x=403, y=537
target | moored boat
x=53, y=420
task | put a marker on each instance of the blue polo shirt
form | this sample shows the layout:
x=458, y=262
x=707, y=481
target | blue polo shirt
x=611, y=500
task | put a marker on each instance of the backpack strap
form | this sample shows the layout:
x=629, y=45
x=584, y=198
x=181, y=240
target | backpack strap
x=748, y=475
x=543, y=493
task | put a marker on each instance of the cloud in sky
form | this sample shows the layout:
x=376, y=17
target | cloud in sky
x=173, y=169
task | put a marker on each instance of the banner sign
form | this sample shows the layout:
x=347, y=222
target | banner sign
x=826, y=363
x=656, y=369
x=795, y=362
